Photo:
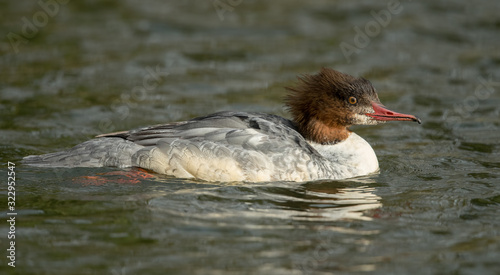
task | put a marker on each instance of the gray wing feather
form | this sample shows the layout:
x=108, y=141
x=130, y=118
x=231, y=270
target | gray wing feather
x=97, y=152
x=235, y=128
x=252, y=146
x=225, y=145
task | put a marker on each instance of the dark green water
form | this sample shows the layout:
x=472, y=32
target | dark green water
x=74, y=70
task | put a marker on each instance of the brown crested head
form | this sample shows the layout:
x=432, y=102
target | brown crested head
x=325, y=104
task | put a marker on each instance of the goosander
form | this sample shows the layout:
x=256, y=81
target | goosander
x=252, y=147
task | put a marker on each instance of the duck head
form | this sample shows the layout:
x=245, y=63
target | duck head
x=326, y=104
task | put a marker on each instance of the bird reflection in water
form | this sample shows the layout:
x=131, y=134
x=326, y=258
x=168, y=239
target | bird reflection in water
x=335, y=200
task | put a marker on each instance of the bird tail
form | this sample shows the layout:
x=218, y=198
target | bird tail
x=99, y=152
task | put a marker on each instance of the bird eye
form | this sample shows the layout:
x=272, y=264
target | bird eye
x=352, y=100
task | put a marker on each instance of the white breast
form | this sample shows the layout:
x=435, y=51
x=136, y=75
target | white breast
x=354, y=156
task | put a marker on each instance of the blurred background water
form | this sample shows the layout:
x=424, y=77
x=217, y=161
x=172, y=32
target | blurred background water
x=71, y=70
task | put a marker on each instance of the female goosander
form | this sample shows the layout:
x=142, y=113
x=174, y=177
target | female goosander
x=253, y=147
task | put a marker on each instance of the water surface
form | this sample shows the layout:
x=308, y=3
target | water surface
x=97, y=67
